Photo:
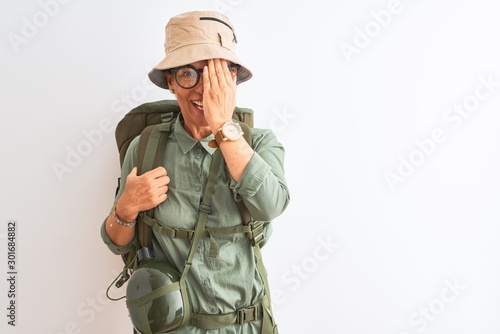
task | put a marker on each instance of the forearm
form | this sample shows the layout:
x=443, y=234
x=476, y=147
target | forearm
x=237, y=155
x=263, y=189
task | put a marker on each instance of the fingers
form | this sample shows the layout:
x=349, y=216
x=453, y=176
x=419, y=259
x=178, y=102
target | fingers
x=160, y=194
x=219, y=71
x=156, y=180
x=216, y=74
x=210, y=79
x=144, y=192
x=206, y=82
x=160, y=182
x=223, y=71
x=219, y=93
x=157, y=172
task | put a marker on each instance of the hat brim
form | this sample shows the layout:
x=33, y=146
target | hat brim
x=191, y=54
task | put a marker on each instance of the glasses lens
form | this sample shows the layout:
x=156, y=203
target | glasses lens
x=186, y=77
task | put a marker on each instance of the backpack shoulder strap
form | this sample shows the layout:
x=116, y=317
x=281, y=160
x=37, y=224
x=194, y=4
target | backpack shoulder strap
x=150, y=153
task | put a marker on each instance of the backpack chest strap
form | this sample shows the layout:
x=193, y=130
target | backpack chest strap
x=254, y=231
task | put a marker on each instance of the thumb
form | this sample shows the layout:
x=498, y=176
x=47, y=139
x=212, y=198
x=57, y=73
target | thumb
x=133, y=172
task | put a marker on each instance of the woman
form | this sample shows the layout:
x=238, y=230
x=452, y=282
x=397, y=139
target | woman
x=201, y=69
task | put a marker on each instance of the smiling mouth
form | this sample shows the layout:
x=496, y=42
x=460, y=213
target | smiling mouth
x=198, y=104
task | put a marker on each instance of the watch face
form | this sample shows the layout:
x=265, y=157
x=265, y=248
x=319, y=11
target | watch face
x=232, y=131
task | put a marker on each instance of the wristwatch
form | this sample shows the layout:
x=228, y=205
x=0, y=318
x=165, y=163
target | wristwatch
x=230, y=131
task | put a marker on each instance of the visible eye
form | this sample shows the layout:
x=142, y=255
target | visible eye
x=233, y=67
x=187, y=73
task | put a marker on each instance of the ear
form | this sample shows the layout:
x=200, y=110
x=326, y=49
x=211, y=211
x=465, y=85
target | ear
x=170, y=81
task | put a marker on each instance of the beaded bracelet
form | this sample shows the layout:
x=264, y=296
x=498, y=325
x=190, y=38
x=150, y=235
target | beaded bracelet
x=131, y=224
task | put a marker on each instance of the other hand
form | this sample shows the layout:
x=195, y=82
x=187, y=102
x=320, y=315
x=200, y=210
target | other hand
x=142, y=192
x=219, y=93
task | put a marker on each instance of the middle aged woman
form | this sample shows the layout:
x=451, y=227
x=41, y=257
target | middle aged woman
x=202, y=71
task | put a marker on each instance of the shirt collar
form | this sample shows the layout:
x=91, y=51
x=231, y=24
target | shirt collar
x=186, y=142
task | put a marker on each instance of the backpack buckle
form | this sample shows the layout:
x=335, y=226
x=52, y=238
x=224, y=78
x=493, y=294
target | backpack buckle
x=205, y=208
x=183, y=234
x=248, y=314
x=257, y=233
x=123, y=277
x=167, y=117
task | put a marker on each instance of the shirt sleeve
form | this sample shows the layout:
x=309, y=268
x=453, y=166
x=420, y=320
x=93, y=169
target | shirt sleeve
x=118, y=250
x=128, y=163
x=263, y=186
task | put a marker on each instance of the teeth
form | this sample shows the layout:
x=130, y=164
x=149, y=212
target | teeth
x=199, y=104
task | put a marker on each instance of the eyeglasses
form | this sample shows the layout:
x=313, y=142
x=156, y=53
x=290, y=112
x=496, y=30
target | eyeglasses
x=188, y=76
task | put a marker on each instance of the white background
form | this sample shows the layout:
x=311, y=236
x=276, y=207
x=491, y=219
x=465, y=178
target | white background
x=349, y=87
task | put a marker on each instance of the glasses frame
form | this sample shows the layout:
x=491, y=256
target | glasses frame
x=198, y=71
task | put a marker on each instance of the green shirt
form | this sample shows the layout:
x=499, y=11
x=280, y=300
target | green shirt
x=230, y=280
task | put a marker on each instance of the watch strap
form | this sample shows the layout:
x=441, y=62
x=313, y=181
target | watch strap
x=214, y=143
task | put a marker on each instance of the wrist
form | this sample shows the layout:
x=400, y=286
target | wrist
x=229, y=132
x=123, y=216
x=122, y=222
x=218, y=126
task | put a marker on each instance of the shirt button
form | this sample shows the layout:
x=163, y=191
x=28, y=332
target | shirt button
x=197, y=154
x=198, y=188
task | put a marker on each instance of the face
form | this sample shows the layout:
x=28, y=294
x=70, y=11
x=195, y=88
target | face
x=190, y=99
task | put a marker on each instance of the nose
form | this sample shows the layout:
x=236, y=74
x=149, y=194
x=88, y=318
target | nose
x=199, y=86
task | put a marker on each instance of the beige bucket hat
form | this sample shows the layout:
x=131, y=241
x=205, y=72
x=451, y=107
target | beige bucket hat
x=196, y=36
